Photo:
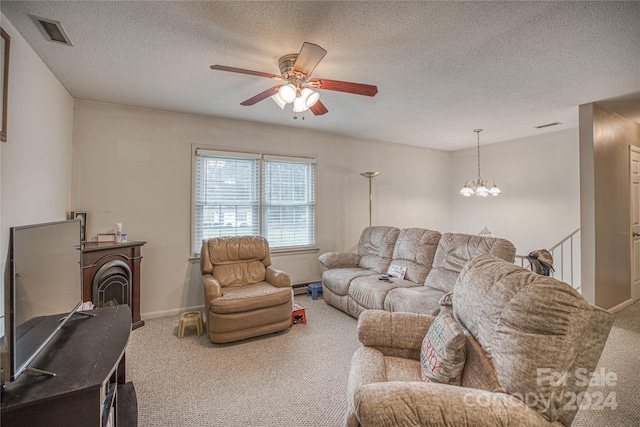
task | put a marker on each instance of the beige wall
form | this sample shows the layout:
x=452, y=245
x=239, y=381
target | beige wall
x=35, y=176
x=539, y=177
x=134, y=166
x=605, y=137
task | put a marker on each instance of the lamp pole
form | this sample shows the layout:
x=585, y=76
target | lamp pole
x=370, y=176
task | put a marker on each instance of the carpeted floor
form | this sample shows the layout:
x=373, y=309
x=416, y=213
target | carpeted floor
x=298, y=377
x=616, y=404
x=292, y=378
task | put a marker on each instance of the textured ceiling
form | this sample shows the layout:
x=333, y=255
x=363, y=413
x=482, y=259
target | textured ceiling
x=442, y=68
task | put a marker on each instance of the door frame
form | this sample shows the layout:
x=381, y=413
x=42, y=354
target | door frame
x=634, y=290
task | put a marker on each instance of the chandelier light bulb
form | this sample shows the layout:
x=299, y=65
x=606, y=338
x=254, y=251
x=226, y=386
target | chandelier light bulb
x=482, y=191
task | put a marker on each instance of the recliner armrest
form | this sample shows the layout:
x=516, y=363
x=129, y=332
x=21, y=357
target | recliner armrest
x=331, y=260
x=212, y=289
x=277, y=278
x=394, y=334
x=432, y=404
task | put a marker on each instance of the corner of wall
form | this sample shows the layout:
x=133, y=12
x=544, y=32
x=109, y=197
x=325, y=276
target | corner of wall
x=587, y=203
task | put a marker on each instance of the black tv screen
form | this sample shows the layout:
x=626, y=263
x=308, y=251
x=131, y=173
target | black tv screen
x=45, y=287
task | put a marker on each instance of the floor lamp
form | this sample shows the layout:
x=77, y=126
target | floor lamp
x=370, y=176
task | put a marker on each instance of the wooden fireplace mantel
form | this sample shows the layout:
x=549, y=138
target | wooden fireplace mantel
x=95, y=255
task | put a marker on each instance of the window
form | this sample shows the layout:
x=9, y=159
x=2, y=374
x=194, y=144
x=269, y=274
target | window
x=240, y=194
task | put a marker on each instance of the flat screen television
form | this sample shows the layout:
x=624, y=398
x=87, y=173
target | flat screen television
x=44, y=290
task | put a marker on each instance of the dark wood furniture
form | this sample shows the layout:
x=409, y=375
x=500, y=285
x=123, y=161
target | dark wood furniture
x=95, y=255
x=87, y=356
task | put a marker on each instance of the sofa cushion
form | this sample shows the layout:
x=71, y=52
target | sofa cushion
x=415, y=249
x=420, y=299
x=376, y=247
x=455, y=250
x=532, y=327
x=370, y=292
x=339, y=279
x=237, y=299
x=442, y=354
x=401, y=369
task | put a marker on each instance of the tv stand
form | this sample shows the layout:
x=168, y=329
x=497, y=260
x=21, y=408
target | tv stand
x=89, y=388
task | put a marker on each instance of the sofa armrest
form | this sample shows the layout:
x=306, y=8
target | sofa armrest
x=394, y=334
x=331, y=260
x=212, y=289
x=277, y=278
x=432, y=404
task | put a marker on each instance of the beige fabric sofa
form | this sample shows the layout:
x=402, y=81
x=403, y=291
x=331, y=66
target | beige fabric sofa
x=433, y=260
x=244, y=296
x=523, y=332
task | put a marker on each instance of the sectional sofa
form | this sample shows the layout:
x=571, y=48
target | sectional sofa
x=433, y=260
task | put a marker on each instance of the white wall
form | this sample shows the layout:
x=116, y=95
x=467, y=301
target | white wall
x=134, y=166
x=36, y=159
x=540, y=180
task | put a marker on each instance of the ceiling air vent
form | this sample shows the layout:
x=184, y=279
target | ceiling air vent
x=548, y=125
x=51, y=30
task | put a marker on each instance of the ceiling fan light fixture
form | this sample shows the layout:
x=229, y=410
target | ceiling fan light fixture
x=299, y=105
x=287, y=93
x=278, y=100
x=309, y=97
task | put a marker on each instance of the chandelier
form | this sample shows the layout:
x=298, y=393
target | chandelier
x=479, y=187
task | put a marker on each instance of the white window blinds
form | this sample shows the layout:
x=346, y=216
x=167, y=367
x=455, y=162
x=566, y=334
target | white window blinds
x=233, y=198
x=227, y=197
x=289, y=202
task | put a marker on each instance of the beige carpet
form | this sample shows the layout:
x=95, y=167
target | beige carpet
x=621, y=357
x=298, y=377
x=292, y=378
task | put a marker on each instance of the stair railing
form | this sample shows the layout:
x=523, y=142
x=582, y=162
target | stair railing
x=566, y=260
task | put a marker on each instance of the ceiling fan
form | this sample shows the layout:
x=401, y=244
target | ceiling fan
x=297, y=86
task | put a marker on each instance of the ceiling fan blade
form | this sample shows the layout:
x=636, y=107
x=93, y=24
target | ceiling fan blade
x=357, y=88
x=319, y=109
x=243, y=71
x=309, y=57
x=262, y=95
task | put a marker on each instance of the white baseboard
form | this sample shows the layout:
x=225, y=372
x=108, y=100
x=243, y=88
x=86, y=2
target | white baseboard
x=172, y=312
x=621, y=306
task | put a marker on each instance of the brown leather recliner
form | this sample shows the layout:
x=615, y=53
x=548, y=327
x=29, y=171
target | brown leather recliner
x=244, y=296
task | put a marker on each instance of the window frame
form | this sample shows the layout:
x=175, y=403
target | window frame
x=262, y=157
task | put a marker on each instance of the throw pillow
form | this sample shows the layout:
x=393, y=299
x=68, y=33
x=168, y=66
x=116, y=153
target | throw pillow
x=442, y=355
x=397, y=271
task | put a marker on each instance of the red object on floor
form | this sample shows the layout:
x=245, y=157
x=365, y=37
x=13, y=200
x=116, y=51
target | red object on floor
x=298, y=310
